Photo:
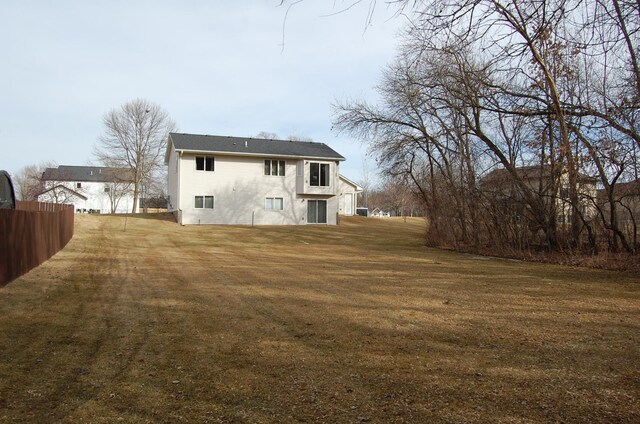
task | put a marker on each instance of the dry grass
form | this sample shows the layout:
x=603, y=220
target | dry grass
x=356, y=323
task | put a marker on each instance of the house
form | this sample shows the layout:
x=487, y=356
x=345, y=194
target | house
x=349, y=190
x=627, y=198
x=246, y=181
x=500, y=183
x=89, y=188
x=379, y=213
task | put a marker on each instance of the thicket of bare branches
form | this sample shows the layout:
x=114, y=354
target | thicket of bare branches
x=545, y=91
x=28, y=180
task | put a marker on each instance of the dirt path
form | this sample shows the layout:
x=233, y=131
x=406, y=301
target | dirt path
x=355, y=323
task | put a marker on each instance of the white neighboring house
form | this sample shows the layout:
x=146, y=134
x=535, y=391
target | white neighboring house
x=89, y=188
x=247, y=181
x=348, y=196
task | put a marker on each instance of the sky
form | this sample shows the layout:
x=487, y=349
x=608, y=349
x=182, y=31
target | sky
x=217, y=67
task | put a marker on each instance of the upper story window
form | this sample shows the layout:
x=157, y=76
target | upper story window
x=319, y=174
x=78, y=185
x=205, y=163
x=274, y=167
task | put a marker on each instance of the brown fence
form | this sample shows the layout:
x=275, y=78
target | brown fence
x=30, y=234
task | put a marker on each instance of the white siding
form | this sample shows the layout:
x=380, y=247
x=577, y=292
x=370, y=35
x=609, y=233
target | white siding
x=345, y=188
x=97, y=198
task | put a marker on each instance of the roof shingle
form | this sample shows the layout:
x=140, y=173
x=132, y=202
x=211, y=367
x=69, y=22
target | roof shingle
x=96, y=174
x=252, y=146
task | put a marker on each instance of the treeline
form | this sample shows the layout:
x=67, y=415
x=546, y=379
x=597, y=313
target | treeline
x=515, y=121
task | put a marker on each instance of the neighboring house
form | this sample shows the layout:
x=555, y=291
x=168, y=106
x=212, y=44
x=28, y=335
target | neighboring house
x=379, y=213
x=89, y=188
x=500, y=183
x=348, y=202
x=235, y=180
x=627, y=197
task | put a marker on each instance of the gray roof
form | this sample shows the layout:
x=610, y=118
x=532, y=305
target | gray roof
x=252, y=146
x=95, y=174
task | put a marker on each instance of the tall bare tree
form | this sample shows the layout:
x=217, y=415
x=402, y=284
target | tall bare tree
x=135, y=136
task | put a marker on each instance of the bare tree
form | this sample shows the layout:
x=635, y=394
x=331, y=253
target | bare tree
x=28, y=180
x=135, y=136
x=266, y=135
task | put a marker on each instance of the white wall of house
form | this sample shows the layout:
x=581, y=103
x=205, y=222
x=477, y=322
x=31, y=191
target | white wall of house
x=243, y=194
x=97, y=199
x=348, y=201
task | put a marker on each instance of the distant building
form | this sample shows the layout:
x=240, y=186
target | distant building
x=501, y=184
x=90, y=189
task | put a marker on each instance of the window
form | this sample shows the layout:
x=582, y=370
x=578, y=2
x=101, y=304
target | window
x=300, y=170
x=274, y=203
x=319, y=173
x=317, y=211
x=204, y=163
x=204, y=202
x=78, y=185
x=106, y=189
x=274, y=167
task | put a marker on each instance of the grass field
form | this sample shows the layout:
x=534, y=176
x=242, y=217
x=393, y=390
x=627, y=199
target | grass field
x=154, y=322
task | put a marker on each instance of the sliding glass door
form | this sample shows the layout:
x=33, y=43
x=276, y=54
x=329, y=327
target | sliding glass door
x=316, y=211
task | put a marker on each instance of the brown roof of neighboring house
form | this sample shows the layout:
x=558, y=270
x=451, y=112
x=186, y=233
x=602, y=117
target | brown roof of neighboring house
x=630, y=188
x=527, y=173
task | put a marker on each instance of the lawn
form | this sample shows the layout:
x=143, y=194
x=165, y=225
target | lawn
x=142, y=320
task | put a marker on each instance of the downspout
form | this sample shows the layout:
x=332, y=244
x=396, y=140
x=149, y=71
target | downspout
x=178, y=193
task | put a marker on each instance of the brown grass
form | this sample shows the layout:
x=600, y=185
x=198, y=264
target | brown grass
x=355, y=323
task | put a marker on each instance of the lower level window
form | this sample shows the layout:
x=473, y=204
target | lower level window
x=204, y=202
x=274, y=203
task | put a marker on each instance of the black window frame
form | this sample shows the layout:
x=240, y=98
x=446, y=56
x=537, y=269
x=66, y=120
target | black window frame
x=205, y=163
x=319, y=174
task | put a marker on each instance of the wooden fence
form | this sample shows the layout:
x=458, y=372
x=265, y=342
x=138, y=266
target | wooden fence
x=30, y=234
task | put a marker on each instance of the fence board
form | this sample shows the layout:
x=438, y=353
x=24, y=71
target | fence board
x=31, y=234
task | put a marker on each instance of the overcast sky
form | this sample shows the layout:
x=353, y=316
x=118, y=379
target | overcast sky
x=217, y=67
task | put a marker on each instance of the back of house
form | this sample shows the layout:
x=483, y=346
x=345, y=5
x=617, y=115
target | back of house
x=249, y=181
